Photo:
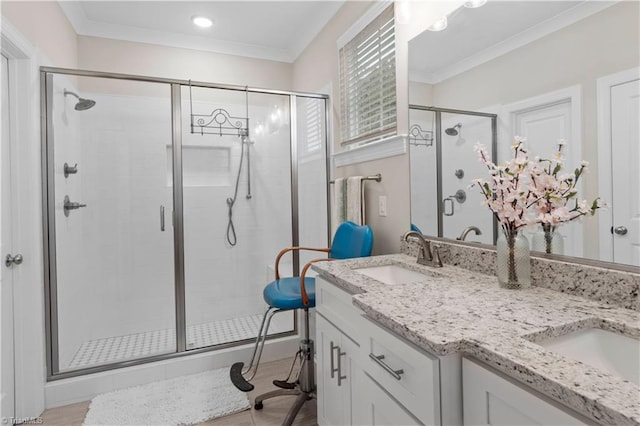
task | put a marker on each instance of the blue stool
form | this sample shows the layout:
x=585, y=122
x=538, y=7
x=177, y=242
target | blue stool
x=286, y=294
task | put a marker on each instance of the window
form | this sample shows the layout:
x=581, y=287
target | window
x=368, y=82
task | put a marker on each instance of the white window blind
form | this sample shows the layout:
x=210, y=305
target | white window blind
x=314, y=115
x=368, y=82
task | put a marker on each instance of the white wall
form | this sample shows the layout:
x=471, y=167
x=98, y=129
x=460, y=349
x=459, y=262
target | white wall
x=126, y=57
x=46, y=27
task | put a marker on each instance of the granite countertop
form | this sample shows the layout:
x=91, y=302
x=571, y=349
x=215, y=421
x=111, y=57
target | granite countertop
x=454, y=310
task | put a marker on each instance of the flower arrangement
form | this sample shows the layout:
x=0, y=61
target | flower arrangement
x=508, y=193
x=521, y=183
x=553, y=190
x=523, y=192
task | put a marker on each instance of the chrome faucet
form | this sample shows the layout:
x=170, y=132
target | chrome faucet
x=426, y=256
x=466, y=231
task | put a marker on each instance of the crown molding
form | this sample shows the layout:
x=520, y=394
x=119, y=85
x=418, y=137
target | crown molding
x=86, y=27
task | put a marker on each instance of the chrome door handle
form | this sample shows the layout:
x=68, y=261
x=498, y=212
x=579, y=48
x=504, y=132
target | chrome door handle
x=161, y=218
x=379, y=360
x=13, y=260
x=444, y=206
x=620, y=230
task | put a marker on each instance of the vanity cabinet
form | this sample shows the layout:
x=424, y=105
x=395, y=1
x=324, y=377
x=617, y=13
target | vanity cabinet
x=490, y=398
x=367, y=375
x=336, y=367
x=373, y=405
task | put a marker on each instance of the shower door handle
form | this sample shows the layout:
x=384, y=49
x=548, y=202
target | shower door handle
x=161, y=218
x=444, y=207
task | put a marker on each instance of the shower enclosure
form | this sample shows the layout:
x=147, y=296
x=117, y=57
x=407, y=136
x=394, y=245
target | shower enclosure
x=165, y=203
x=443, y=163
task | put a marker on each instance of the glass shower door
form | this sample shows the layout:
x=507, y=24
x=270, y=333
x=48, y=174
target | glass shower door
x=237, y=211
x=109, y=148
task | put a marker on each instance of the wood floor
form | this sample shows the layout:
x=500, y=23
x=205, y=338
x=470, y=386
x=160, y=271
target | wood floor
x=273, y=413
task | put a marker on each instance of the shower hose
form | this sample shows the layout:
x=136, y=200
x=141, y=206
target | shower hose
x=231, y=229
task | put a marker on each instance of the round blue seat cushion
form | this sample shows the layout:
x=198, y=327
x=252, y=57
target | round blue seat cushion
x=285, y=293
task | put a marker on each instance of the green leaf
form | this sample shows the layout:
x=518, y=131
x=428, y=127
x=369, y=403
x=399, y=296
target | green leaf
x=556, y=169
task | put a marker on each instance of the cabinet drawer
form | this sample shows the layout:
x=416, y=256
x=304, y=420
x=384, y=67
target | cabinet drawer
x=410, y=375
x=335, y=304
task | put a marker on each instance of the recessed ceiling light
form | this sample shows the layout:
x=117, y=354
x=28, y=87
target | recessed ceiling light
x=472, y=4
x=202, y=21
x=439, y=25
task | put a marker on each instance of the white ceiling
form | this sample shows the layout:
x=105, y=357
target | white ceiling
x=474, y=36
x=275, y=30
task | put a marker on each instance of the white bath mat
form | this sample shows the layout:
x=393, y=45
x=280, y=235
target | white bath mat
x=181, y=401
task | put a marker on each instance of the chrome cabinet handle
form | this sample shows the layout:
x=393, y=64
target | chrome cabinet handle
x=12, y=260
x=340, y=376
x=162, y=218
x=620, y=230
x=332, y=362
x=379, y=360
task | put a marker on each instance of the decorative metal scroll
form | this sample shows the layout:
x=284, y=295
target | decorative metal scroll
x=419, y=137
x=219, y=122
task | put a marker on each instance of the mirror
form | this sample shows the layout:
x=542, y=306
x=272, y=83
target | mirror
x=547, y=70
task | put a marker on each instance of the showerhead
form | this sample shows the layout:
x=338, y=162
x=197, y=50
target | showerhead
x=453, y=131
x=83, y=104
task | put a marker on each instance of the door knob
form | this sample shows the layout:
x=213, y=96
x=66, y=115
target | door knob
x=620, y=230
x=13, y=260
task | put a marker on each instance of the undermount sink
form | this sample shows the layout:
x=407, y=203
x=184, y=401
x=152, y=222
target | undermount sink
x=602, y=349
x=393, y=274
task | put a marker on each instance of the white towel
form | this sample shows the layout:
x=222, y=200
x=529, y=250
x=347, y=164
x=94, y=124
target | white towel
x=339, y=203
x=355, y=200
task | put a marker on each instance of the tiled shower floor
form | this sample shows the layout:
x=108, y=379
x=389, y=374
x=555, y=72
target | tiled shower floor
x=132, y=346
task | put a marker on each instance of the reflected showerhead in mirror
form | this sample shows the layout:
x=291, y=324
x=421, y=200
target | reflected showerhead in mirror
x=83, y=104
x=453, y=131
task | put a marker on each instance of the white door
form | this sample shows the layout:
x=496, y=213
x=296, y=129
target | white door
x=7, y=402
x=625, y=155
x=543, y=123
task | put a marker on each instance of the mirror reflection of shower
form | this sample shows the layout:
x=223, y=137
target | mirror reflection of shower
x=453, y=131
x=82, y=104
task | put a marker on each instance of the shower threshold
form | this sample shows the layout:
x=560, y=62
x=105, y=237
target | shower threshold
x=139, y=345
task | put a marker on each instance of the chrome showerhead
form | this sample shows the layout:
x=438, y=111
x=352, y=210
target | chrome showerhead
x=453, y=131
x=83, y=104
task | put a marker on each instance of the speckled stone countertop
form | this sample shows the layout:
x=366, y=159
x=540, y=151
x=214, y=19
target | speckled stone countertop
x=454, y=310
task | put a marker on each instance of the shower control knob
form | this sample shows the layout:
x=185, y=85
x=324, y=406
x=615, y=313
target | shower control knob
x=70, y=170
x=12, y=260
x=70, y=205
x=620, y=230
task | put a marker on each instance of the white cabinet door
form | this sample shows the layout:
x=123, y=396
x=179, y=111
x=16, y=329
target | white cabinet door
x=373, y=406
x=335, y=363
x=490, y=399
